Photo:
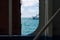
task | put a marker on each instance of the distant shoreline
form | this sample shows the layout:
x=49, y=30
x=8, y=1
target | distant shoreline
x=25, y=17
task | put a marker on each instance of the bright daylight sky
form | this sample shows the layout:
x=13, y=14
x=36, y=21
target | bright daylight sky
x=29, y=8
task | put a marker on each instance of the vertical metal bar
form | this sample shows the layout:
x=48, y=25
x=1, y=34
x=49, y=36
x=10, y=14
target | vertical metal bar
x=10, y=17
x=46, y=16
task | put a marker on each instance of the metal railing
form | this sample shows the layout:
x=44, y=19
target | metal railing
x=46, y=25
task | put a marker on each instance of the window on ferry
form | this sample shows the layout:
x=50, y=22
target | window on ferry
x=29, y=16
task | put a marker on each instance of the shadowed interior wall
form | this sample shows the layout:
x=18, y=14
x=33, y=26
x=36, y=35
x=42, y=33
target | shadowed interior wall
x=56, y=21
x=16, y=17
x=4, y=17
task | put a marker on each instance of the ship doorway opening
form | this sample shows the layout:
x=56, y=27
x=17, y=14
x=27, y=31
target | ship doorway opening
x=29, y=16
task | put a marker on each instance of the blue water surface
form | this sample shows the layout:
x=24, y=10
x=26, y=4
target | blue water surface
x=29, y=25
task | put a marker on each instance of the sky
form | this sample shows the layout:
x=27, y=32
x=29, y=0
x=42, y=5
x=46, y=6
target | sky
x=29, y=8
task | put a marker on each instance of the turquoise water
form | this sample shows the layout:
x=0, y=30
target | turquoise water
x=29, y=25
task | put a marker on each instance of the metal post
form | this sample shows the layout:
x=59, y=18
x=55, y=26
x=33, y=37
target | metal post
x=10, y=17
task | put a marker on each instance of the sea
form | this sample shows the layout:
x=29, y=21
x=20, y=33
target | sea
x=28, y=26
